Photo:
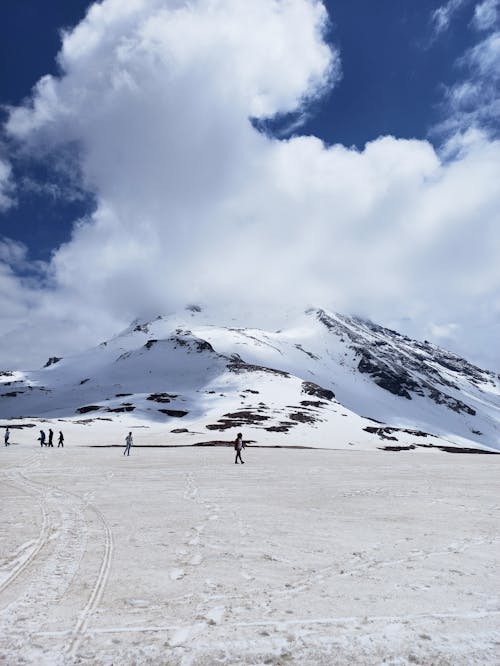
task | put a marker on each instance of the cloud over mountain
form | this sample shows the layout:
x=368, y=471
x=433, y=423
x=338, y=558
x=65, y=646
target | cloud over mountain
x=194, y=203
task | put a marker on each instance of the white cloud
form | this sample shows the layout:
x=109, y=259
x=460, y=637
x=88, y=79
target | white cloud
x=194, y=204
x=474, y=101
x=442, y=17
x=6, y=185
x=486, y=14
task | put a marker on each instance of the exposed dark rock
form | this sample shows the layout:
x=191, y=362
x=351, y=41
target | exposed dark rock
x=238, y=419
x=88, y=408
x=308, y=353
x=52, y=360
x=398, y=383
x=161, y=397
x=19, y=426
x=312, y=403
x=123, y=408
x=245, y=415
x=396, y=448
x=319, y=392
x=141, y=328
x=302, y=417
x=178, y=431
x=250, y=391
x=84, y=381
x=178, y=413
x=238, y=366
x=11, y=394
x=150, y=343
x=279, y=428
x=122, y=395
x=452, y=403
x=193, y=308
x=6, y=373
x=458, y=449
x=386, y=431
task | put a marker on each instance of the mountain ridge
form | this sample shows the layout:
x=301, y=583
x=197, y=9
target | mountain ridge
x=308, y=376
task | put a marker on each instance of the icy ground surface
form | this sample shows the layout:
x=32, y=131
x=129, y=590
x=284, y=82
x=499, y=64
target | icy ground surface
x=178, y=556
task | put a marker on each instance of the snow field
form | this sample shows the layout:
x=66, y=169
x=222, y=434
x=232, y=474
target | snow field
x=179, y=556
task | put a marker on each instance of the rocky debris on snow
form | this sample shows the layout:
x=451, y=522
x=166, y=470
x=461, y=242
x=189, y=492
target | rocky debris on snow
x=161, y=397
x=237, y=365
x=177, y=413
x=150, y=343
x=193, y=308
x=403, y=366
x=6, y=373
x=452, y=403
x=440, y=447
x=385, y=432
x=141, y=328
x=318, y=391
x=284, y=426
x=179, y=431
x=399, y=383
x=19, y=426
x=122, y=395
x=124, y=407
x=302, y=417
x=88, y=408
x=52, y=361
x=313, y=403
x=307, y=353
x=238, y=419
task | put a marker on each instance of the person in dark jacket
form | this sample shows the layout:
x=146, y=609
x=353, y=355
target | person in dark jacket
x=61, y=439
x=6, y=437
x=128, y=444
x=41, y=439
x=238, y=445
x=51, y=437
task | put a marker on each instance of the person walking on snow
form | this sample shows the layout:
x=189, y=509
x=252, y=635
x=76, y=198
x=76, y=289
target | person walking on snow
x=41, y=439
x=51, y=437
x=238, y=445
x=128, y=444
x=6, y=437
x=61, y=440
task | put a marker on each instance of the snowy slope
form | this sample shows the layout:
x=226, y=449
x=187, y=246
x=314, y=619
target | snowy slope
x=320, y=380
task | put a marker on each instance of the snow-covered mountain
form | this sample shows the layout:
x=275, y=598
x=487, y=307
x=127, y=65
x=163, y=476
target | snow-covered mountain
x=325, y=378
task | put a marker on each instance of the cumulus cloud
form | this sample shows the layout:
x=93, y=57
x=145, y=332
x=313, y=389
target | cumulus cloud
x=193, y=203
x=474, y=100
x=6, y=185
x=486, y=14
x=442, y=17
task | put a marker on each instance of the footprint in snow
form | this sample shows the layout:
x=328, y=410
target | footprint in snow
x=176, y=574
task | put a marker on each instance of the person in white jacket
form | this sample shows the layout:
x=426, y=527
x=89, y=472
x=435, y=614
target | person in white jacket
x=128, y=444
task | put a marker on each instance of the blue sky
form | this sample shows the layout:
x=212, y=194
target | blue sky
x=394, y=70
x=74, y=149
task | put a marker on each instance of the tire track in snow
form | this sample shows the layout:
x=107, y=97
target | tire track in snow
x=44, y=533
x=40, y=489
x=80, y=627
x=40, y=543
x=97, y=591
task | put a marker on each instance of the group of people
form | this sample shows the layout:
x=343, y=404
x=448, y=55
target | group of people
x=49, y=442
x=238, y=446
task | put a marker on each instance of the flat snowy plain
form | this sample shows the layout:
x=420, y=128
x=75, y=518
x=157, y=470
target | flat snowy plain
x=178, y=556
